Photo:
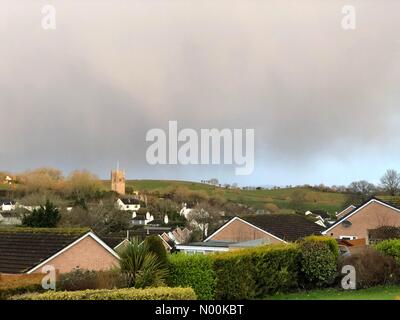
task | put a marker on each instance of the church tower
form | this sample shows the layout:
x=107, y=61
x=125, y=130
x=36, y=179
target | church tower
x=118, y=181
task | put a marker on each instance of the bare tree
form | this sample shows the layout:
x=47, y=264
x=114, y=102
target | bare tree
x=391, y=181
x=362, y=188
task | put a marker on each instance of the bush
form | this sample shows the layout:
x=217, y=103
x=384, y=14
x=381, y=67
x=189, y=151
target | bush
x=390, y=248
x=161, y=293
x=140, y=266
x=235, y=275
x=249, y=273
x=84, y=279
x=156, y=246
x=330, y=242
x=19, y=284
x=318, y=263
x=46, y=216
x=372, y=268
x=195, y=271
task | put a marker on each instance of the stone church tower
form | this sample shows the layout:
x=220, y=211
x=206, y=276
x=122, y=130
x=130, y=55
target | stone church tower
x=118, y=181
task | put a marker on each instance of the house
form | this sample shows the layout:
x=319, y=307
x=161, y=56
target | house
x=345, y=211
x=185, y=211
x=371, y=214
x=321, y=217
x=255, y=230
x=128, y=204
x=27, y=250
x=10, y=218
x=141, y=219
x=7, y=205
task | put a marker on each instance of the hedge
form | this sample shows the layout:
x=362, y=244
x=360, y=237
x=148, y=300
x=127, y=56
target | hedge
x=390, y=248
x=195, y=271
x=160, y=293
x=256, y=272
x=18, y=284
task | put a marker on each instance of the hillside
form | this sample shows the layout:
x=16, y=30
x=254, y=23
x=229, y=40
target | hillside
x=284, y=198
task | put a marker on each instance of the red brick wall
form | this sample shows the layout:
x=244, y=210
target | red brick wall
x=87, y=254
x=239, y=231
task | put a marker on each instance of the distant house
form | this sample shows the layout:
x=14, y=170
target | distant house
x=322, y=218
x=142, y=219
x=27, y=250
x=345, y=211
x=128, y=204
x=372, y=214
x=7, y=205
x=256, y=230
x=10, y=218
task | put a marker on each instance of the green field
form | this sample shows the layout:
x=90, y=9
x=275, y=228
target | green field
x=328, y=201
x=375, y=293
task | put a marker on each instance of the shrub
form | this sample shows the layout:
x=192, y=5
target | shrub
x=276, y=268
x=140, y=266
x=161, y=293
x=19, y=284
x=330, y=242
x=390, y=248
x=318, y=262
x=156, y=246
x=84, y=279
x=249, y=273
x=235, y=275
x=372, y=268
x=195, y=271
x=46, y=216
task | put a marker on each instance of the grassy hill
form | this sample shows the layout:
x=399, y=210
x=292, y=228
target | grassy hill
x=283, y=198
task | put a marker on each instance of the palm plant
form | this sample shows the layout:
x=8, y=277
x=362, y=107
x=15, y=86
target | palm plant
x=141, y=266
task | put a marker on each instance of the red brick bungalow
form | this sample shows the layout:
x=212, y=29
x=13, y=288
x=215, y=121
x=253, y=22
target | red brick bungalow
x=27, y=250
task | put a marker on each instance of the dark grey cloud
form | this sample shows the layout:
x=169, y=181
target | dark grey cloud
x=322, y=100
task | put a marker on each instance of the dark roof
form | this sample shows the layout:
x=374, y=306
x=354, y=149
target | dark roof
x=24, y=248
x=7, y=201
x=288, y=227
x=112, y=242
x=130, y=201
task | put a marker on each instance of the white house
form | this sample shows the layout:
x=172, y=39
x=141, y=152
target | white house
x=7, y=205
x=142, y=219
x=128, y=204
x=185, y=211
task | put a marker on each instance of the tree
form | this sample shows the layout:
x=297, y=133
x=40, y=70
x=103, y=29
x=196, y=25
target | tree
x=83, y=185
x=156, y=246
x=362, y=188
x=204, y=217
x=46, y=216
x=140, y=265
x=391, y=181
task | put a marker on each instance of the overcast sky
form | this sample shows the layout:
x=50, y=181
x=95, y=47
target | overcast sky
x=323, y=101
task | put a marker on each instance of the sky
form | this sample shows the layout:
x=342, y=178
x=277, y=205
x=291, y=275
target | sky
x=323, y=101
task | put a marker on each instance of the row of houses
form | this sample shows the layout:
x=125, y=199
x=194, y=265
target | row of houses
x=26, y=250
x=354, y=225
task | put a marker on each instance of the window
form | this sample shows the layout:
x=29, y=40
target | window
x=348, y=237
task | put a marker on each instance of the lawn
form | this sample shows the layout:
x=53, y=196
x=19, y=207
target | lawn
x=375, y=293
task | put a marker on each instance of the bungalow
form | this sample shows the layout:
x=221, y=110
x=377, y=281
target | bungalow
x=27, y=250
x=256, y=230
x=371, y=214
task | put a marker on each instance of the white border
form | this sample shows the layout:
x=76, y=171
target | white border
x=252, y=225
x=358, y=209
x=88, y=234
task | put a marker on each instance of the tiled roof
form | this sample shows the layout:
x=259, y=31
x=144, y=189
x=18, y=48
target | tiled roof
x=288, y=227
x=21, y=249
